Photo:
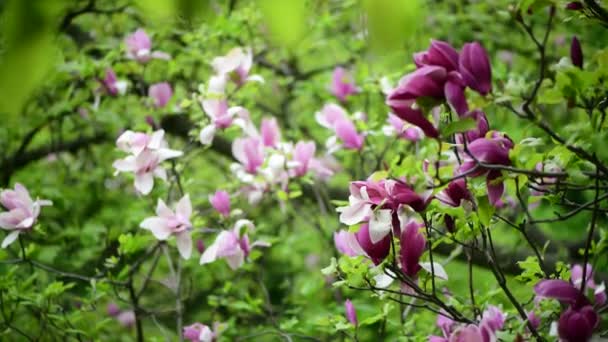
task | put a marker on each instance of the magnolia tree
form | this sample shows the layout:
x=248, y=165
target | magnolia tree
x=223, y=176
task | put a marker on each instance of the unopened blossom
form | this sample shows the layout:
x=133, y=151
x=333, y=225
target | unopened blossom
x=236, y=65
x=198, y=332
x=200, y=246
x=455, y=193
x=475, y=68
x=576, y=53
x=249, y=152
x=139, y=47
x=22, y=212
x=161, y=94
x=113, y=309
x=342, y=84
x=492, y=150
x=270, y=132
x=147, y=152
x=232, y=245
x=302, y=157
x=220, y=201
x=221, y=117
x=169, y=223
x=577, y=323
x=112, y=85
x=402, y=129
x=351, y=313
x=574, y=6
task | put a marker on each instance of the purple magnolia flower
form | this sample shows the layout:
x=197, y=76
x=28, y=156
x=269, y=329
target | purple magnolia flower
x=376, y=251
x=113, y=309
x=236, y=65
x=249, y=152
x=440, y=54
x=172, y=223
x=146, y=153
x=427, y=81
x=232, y=245
x=347, y=132
x=198, y=332
x=403, y=129
x=474, y=66
x=112, y=85
x=351, y=313
x=303, y=156
x=139, y=47
x=492, y=321
x=576, y=53
x=335, y=117
x=200, y=246
x=479, y=132
x=412, y=243
x=161, y=94
x=577, y=324
x=221, y=202
x=454, y=94
x=343, y=240
x=342, y=84
x=270, y=132
x=455, y=193
x=22, y=212
x=574, y=6
x=493, y=150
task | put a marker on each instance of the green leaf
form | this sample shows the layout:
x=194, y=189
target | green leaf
x=485, y=210
x=459, y=126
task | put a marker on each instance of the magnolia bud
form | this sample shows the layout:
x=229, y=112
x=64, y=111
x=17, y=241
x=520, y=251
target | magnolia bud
x=576, y=53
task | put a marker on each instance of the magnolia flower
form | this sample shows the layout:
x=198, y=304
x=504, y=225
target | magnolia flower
x=455, y=193
x=492, y=321
x=479, y=132
x=236, y=64
x=303, y=157
x=335, y=118
x=221, y=202
x=113, y=309
x=440, y=54
x=377, y=251
x=577, y=324
x=342, y=241
x=474, y=66
x=402, y=129
x=492, y=150
x=329, y=114
x=172, y=223
x=342, y=84
x=161, y=94
x=22, y=212
x=270, y=132
x=221, y=117
x=112, y=85
x=576, y=53
x=249, y=152
x=232, y=245
x=198, y=332
x=126, y=318
x=412, y=243
x=139, y=47
x=147, y=152
x=351, y=313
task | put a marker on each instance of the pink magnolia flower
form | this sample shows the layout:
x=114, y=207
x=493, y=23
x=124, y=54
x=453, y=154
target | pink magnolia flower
x=221, y=117
x=377, y=251
x=22, y=212
x=221, y=202
x=249, y=152
x=139, y=47
x=351, y=313
x=172, y=223
x=161, y=94
x=475, y=68
x=237, y=65
x=303, y=157
x=343, y=242
x=455, y=193
x=335, y=118
x=112, y=85
x=492, y=321
x=113, y=309
x=342, y=84
x=232, y=245
x=126, y=318
x=198, y=332
x=402, y=129
x=270, y=132
x=147, y=153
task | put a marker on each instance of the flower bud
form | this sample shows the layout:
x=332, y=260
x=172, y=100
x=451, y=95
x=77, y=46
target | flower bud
x=351, y=314
x=576, y=53
x=475, y=68
x=574, y=6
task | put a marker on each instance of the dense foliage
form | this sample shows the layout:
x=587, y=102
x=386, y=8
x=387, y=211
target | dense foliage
x=304, y=170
